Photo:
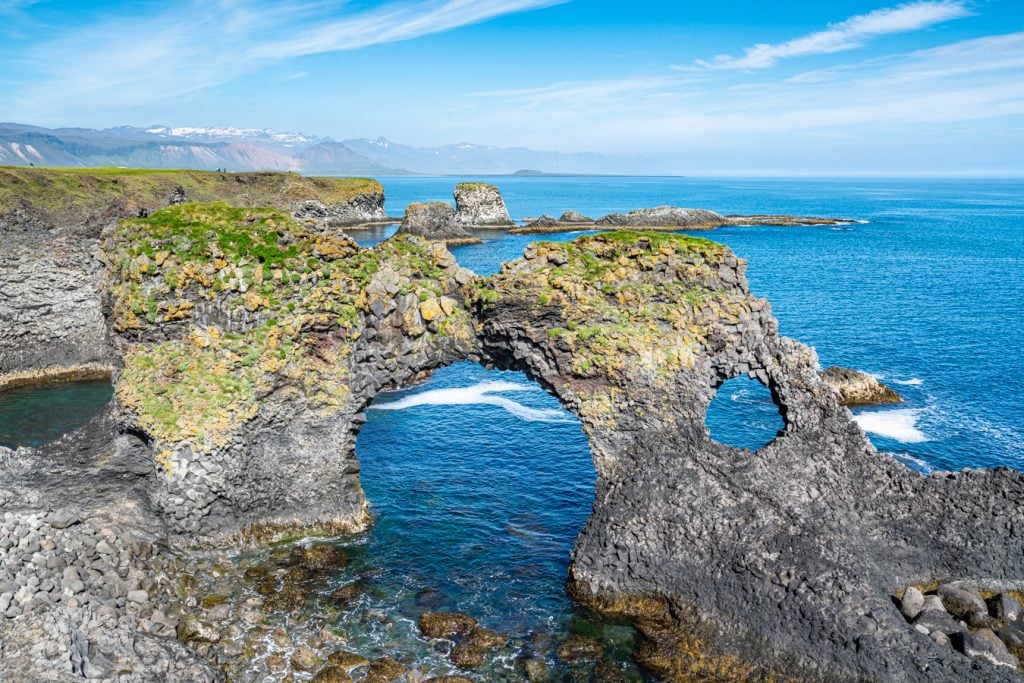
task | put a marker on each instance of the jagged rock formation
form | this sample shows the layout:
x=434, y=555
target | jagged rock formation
x=247, y=363
x=480, y=205
x=51, y=221
x=856, y=388
x=434, y=221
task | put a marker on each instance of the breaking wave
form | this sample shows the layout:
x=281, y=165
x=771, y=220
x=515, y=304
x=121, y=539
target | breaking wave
x=900, y=425
x=483, y=393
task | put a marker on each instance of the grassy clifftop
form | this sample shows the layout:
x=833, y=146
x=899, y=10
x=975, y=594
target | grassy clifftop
x=89, y=197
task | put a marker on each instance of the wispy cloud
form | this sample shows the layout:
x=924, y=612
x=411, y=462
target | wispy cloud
x=965, y=81
x=148, y=59
x=850, y=34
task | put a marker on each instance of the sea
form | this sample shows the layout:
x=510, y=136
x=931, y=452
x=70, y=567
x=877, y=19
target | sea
x=479, y=481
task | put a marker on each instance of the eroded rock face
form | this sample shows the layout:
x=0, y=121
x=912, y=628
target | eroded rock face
x=247, y=364
x=51, y=222
x=480, y=205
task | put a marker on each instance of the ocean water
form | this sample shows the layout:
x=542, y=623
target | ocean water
x=32, y=416
x=479, y=481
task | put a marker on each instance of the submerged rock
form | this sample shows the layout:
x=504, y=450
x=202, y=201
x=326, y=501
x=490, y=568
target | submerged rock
x=577, y=647
x=856, y=388
x=445, y=624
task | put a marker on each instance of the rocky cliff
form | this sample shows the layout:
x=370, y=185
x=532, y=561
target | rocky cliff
x=251, y=345
x=51, y=221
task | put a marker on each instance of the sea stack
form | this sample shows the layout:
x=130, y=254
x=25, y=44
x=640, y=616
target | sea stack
x=480, y=205
x=434, y=221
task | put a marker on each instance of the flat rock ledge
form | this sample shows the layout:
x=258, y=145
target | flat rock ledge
x=855, y=388
x=243, y=371
x=664, y=218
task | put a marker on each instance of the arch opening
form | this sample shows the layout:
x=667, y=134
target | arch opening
x=744, y=413
x=479, y=483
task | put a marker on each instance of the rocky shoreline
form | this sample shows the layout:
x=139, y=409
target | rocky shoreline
x=663, y=218
x=246, y=343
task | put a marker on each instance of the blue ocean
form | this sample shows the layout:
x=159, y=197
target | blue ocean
x=479, y=481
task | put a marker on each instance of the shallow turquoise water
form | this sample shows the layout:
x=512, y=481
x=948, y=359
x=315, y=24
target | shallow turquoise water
x=31, y=416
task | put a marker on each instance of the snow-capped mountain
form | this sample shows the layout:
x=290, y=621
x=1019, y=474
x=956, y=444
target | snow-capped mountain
x=249, y=149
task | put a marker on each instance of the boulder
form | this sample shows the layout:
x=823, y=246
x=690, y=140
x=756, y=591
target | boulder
x=384, y=670
x=912, y=603
x=962, y=600
x=1005, y=607
x=346, y=660
x=985, y=644
x=480, y=205
x=856, y=388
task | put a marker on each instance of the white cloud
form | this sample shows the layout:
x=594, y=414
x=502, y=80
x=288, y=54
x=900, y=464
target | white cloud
x=151, y=59
x=970, y=80
x=850, y=34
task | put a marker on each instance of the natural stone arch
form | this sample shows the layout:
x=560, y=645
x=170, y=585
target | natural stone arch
x=781, y=563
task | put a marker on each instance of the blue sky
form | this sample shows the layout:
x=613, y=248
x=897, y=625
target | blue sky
x=922, y=87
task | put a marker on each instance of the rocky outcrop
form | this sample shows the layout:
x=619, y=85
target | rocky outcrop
x=247, y=364
x=479, y=205
x=51, y=221
x=434, y=221
x=571, y=216
x=855, y=388
x=665, y=217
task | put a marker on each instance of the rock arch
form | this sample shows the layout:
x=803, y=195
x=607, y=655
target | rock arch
x=781, y=563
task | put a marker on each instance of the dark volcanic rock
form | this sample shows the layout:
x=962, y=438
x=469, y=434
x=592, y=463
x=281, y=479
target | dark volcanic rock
x=735, y=565
x=434, y=221
x=985, y=644
x=857, y=388
x=665, y=217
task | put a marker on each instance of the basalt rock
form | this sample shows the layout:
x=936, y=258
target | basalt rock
x=434, y=221
x=480, y=205
x=857, y=388
x=51, y=221
x=246, y=365
x=665, y=217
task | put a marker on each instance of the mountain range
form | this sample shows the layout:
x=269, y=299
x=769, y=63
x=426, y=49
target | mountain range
x=251, y=149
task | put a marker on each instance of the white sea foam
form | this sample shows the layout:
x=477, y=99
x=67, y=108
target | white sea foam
x=900, y=425
x=482, y=393
x=912, y=382
x=913, y=462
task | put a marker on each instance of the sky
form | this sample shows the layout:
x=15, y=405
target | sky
x=747, y=87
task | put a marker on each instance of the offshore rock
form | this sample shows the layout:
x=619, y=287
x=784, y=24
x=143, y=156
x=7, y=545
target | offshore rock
x=480, y=205
x=571, y=216
x=434, y=221
x=665, y=217
x=857, y=388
